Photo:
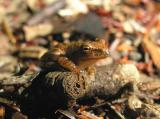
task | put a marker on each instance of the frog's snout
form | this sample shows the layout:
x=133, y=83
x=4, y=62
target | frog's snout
x=107, y=53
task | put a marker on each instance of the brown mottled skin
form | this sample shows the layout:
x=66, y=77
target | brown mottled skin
x=76, y=56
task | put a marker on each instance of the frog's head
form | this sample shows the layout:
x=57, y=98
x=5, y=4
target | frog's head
x=94, y=50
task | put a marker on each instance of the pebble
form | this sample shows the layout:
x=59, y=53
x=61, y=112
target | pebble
x=135, y=56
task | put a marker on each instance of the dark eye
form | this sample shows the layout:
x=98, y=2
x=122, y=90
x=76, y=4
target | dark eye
x=86, y=48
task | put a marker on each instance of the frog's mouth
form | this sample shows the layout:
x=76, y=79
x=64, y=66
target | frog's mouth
x=92, y=58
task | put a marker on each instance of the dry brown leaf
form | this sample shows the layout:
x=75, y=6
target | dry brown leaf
x=42, y=29
x=150, y=86
x=87, y=115
x=32, y=52
x=2, y=112
x=124, y=47
x=7, y=29
x=152, y=49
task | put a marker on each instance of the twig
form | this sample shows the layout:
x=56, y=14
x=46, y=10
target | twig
x=7, y=29
x=46, y=12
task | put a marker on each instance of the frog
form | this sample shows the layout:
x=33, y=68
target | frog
x=76, y=56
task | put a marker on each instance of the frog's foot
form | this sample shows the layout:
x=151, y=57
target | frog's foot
x=91, y=70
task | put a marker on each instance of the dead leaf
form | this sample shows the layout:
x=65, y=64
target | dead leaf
x=152, y=49
x=2, y=112
x=124, y=47
x=150, y=86
x=32, y=32
x=32, y=52
x=7, y=29
x=87, y=115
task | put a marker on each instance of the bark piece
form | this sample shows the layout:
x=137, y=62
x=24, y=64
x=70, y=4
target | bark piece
x=46, y=12
x=107, y=81
x=61, y=89
x=67, y=84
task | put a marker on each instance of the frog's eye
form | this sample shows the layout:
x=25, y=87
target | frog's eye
x=86, y=47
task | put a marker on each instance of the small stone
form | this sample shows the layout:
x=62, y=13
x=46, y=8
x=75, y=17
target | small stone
x=135, y=56
x=128, y=27
x=90, y=24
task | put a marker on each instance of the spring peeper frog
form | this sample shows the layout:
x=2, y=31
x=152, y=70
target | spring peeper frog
x=76, y=56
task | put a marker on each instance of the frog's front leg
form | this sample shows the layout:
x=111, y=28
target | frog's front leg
x=68, y=64
x=91, y=70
